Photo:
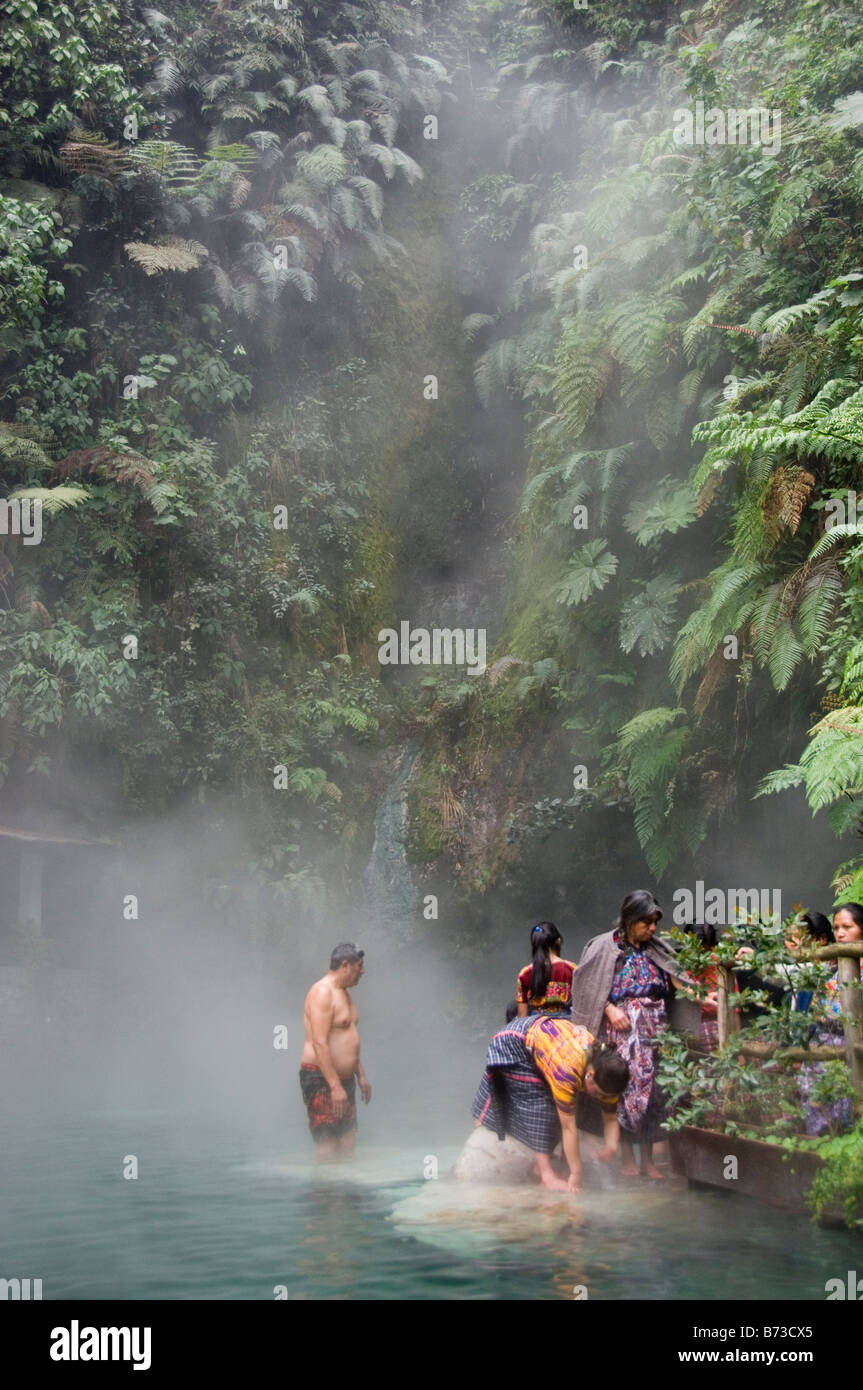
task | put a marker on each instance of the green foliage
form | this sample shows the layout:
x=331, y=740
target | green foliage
x=589, y=571
x=758, y=1097
x=831, y=765
x=30, y=237
x=647, y=619
x=680, y=328
x=668, y=508
x=661, y=289
x=53, y=64
x=838, y=1185
x=161, y=292
x=651, y=754
x=583, y=371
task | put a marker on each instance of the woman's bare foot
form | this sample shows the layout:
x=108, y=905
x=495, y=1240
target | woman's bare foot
x=547, y=1176
x=629, y=1169
x=651, y=1171
x=555, y=1184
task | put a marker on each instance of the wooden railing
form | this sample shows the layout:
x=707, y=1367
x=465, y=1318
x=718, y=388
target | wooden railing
x=849, y=955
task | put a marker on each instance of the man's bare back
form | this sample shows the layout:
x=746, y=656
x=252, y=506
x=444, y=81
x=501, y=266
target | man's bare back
x=330, y=1062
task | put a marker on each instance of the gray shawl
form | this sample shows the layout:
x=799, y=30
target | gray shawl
x=591, y=983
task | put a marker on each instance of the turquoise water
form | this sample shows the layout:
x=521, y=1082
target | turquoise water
x=221, y=1212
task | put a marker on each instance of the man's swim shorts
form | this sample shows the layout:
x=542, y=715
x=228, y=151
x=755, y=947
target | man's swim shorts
x=323, y=1122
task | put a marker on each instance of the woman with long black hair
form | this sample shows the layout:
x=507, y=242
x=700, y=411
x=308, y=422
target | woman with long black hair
x=619, y=994
x=545, y=986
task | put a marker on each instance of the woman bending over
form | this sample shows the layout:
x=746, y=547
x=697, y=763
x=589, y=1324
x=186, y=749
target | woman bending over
x=535, y=1068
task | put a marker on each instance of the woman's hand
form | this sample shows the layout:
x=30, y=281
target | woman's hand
x=617, y=1018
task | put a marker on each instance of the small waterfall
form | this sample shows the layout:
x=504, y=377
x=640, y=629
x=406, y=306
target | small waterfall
x=392, y=897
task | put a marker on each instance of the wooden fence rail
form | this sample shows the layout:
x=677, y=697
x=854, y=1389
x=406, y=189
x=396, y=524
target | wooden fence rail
x=849, y=955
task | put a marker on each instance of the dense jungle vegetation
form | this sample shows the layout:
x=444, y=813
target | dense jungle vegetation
x=236, y=240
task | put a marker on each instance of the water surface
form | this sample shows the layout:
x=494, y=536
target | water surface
x=225, y=1212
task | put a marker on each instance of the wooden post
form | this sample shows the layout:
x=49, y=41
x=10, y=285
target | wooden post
x=852, y=1016
x=724, y=987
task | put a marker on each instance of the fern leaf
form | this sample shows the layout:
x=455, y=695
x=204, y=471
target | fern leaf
x=647, y=724
x=496, y=369
x=473, y=323
x=171, y=254
x=785, y=653
x=583, y=369
x=53, y=499
x=322, y=167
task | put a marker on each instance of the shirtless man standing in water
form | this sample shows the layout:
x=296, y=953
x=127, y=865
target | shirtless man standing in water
x=331, y=1056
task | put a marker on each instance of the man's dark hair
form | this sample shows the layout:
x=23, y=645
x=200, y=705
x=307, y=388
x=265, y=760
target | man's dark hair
x=345, y=953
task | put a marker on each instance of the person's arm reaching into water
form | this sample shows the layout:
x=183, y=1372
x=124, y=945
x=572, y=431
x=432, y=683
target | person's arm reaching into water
x=571, y=1148
x=321, y=1010
x=610, y=1133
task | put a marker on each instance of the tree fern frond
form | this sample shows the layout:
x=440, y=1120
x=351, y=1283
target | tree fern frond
x=791, y=775
x=53, y=499
x=369, y=194
x=321, y=167
x=317, y=99
x=784, y=319
x=17, y=448
x=832, y=536
x=647, y=724
x=473, y=323
x=822, y=592
x=638, y=330
x=653, y=760
x=662, y=416
x=496, y=369
x=173, y=253
x=583, y=369
x=790, y=489
x=785, y=653
x=689, y=386
x=790, y=203
x=852, y=675
x=690, y=275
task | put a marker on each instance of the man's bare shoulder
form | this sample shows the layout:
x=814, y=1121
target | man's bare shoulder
x=321, y=993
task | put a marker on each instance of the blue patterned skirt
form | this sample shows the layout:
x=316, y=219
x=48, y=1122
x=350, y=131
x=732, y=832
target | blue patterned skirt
x=530, y=1112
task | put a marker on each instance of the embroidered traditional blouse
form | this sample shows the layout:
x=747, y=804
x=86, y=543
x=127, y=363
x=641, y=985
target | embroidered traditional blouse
x=561, y=1054
x=635, y=975
x=558, y=991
